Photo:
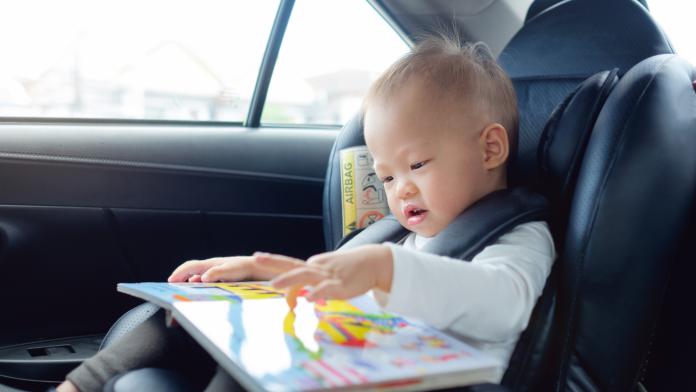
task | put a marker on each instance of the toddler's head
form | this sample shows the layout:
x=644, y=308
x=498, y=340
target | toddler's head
x=440, y=123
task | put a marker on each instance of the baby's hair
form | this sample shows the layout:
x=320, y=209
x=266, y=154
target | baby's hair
x=466, y=71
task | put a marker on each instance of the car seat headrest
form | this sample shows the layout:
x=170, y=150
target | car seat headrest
x=562, y=46
x=584, y=37
x=539, y=6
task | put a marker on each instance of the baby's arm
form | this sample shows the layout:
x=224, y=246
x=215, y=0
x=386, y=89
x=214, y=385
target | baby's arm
x=489, y=299
x=339, y=274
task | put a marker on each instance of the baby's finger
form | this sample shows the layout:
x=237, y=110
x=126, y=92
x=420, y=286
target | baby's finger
x=278, y=263
x=321, y=259
x=225, y=273
x=299, y=277
x=196, y=267
x=291, y=296
x=194, y=279
x=328, y=289
x=185, y=270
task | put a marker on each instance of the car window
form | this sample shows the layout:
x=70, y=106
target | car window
x=676, y=19
x=331, y=52
x=154, y=59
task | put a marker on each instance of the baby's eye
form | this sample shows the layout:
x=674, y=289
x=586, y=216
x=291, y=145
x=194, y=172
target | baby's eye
x=387, y=179
x=418, y=165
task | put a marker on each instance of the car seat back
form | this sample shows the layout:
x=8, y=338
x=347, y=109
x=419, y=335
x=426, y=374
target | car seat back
x=629, y=214
x=560, y=46
x=560, y=152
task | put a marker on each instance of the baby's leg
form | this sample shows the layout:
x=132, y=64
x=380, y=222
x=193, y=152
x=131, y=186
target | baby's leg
x=150, y=344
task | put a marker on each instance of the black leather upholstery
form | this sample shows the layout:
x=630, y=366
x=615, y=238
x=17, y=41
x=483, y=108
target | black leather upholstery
x=128, y=321
x=631, y=207
x=539, y=6
x=559, y=47
x=560, y=152
x=564, y=140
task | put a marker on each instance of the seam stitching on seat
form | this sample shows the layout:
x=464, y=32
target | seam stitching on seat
x=590, y=121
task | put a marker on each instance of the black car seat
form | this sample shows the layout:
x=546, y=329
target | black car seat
x=560, y=45
x=556, y=49
x=553, y=53
x=608, y=309
x=628, y=223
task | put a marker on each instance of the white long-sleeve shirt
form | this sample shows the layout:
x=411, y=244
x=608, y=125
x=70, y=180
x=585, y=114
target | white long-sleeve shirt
x=486, y=302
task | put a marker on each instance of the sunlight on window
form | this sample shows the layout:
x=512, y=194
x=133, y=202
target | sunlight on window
x=676, y=19
x=331, y=53
x=153, y=59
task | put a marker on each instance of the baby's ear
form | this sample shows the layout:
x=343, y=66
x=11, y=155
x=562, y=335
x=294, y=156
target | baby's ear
x=495, y=145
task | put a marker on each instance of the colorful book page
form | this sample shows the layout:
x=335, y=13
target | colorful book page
x=329, y=344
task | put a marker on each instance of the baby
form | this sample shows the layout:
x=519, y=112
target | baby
x=440, y=124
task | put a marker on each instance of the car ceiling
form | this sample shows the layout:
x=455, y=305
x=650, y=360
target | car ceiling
x=491, y=21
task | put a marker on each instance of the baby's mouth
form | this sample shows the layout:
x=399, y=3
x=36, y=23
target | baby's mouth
x=414, y=215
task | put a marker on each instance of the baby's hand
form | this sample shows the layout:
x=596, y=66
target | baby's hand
x=335, y=275
x=229, y=269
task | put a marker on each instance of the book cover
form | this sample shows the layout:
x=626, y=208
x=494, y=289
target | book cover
x=165, y=294
x=252, y=333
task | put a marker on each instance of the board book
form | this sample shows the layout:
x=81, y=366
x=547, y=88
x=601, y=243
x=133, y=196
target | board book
x=265, y=345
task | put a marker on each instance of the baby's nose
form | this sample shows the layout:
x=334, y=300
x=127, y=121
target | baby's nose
x=407, y=189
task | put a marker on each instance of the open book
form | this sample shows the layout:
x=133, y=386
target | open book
x=253, y=334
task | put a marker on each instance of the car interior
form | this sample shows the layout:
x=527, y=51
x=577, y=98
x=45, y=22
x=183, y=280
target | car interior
x=607, y=134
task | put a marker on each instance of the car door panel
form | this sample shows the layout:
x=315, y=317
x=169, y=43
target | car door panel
x=86, y=206
x=63, y=262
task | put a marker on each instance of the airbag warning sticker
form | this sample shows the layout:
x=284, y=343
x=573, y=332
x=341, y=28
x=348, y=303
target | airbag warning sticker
x=364, y=200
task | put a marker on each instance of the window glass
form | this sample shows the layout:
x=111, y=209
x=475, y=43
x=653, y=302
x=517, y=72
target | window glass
x=151, y=59
x=676, y=19
x=331, y=52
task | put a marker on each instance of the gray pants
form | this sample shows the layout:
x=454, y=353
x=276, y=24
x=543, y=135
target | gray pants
x=152, y=344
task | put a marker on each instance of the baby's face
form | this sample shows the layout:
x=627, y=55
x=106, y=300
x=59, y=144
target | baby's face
x=428, y=155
